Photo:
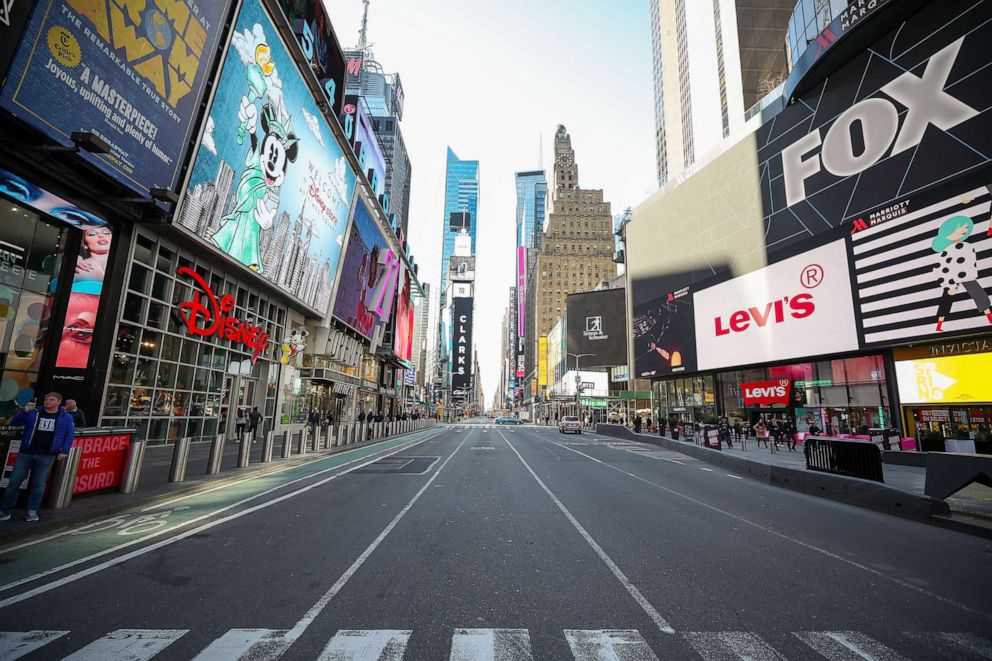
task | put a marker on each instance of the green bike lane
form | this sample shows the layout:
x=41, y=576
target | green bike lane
x=31, y=560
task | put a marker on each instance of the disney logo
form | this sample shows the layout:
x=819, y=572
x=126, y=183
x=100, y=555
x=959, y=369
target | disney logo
x=211, y=318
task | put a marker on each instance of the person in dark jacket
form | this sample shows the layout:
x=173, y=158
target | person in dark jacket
x=78, y=417
x=48, y=436
x=254, y=421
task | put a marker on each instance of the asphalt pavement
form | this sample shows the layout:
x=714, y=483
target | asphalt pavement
x=482, y=542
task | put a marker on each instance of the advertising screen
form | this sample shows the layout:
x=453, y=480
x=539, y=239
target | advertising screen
x=597, y=325
x=132, y=76
x=542, y=361
x=924, y=269
x=13, y=18
x=521, y=290
x=461, y=359
x=356, y=122
x=403, y=336
x=313, y=28
x=946, y=380
x=800, y=306
x=270, y=186
x=363, y=261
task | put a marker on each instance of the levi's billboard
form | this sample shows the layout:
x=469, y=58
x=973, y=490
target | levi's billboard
x=798, y=307
x=766, y=393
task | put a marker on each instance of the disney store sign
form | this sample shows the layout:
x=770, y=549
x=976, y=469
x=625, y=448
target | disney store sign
x=208, y=316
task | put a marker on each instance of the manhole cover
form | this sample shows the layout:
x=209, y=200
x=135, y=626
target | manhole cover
x=399, y=466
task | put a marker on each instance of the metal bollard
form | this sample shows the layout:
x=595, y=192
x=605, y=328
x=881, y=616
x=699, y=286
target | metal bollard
x=64, y=479
x=287, y=445
x=244, y=452
x=267, y=444
x=216, y=455
x=131, y=474
x=301, y=442
x=180, y=455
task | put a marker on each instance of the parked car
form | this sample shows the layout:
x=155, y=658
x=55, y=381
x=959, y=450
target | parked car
x=570, y=423
x=508, y=421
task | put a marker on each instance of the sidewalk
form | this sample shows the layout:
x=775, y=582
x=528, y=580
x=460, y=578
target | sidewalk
x=154, y=483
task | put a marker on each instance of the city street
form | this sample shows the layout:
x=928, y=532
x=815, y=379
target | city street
x=476, y=541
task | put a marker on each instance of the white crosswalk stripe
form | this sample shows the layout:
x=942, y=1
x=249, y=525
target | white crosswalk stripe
x=239, y=644
x=366, y=645
x=490, y=645
x=129, y=645
x=954, y=645
x=732, y=646
x=847, y=646
x=608, y=645
x=15, y=644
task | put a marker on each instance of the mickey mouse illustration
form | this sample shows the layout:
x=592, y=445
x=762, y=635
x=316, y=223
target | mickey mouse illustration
x=256, y=198
x=294, y=344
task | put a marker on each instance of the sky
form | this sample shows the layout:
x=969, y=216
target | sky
x=490, y=79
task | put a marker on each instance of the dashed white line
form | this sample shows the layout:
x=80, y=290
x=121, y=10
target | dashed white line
x=736, y=477
x=708, y=470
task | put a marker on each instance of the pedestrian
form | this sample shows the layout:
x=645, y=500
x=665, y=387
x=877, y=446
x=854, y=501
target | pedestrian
x=330, y=419
x=761, y=433
x=790, y=435
x=724, y=432
x=648, y=424
x=814, y=430
x=314, y=422
x=78, y=417
x=637, y=424
x=47, y=437
x=738, y=431
x=370, y=417
x=240, y=422
x=776, y=432
x=661, y=426
x=547, y=420
x=254, y=422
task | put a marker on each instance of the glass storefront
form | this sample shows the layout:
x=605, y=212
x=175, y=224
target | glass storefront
x=168, y=383
x=31, y=253
x=687, y=399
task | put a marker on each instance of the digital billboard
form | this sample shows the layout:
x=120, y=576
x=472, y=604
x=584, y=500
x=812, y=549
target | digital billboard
x=945, y=380
x=461, y=357
x=357, y=124
x=313, y=28
x=133, y=75
x=596, y=324
x=367, y=262
x=270, y=186
x=403, y=335
x=521, y=290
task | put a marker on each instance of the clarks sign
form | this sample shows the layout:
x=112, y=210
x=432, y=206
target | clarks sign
x=208, y=316
x=765, y=393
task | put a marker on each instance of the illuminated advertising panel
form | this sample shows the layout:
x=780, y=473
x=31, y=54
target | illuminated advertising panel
x=946, y=380
x=131, y=74
x=596, y=324
x=313, y=28
x=403, y=336
x=461, y=358
x=542, y=361
x=521, y=290
x=356, y=122
x=368, y=265
x=270, y=186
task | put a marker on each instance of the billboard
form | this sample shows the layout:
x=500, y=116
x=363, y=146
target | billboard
x=313, y=28
x=521, y=290
x=403, y=335
x=357, y=124
x=798, y=307
x=542, y=361
x=461, y=363
x=368, y=265
x=13, y=18
x=596, y=323
x=945, y=380
x=923, y=268
x=270, y=186
x=132, y=77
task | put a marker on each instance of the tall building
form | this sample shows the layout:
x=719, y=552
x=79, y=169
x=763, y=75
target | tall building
x=421, y=326
x=713, y=62
x=577, y=246
x=532, y=193
x=398, y=168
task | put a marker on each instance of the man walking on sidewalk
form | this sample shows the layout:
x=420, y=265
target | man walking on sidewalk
x=48, y=436
x=254, y=420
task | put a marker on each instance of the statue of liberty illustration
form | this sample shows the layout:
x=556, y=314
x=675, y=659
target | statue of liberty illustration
x=256, y=198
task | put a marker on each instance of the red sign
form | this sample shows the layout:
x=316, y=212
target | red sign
x=211, y=319
x=101, y=465
x=766, y=393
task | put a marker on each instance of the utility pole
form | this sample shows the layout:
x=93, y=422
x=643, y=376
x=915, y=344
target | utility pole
x=578, y=382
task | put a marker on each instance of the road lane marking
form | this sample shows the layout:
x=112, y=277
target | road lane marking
x=736, y=477
x=236, y=643
x=724, y=645
x=128, y=645
x=366, y=645
x=171, y=540
x=807, y=545
x=847, y=646
x=708, y=470
x=308, y=618
x=961, y=644
x=655, y=616
x=15, y=644
x=490, y=645
x=608, y=645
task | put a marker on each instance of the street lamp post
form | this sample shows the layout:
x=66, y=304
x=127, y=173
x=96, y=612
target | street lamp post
x=578, y=382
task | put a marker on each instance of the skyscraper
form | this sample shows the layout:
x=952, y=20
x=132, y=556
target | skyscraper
x=713, y=61
x=532, y=192
x=577, y=246
x=461, y=204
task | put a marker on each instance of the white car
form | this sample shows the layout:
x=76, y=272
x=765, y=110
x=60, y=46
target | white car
x=569, y=423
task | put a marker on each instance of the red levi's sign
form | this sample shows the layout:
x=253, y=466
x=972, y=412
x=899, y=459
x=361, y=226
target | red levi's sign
x=101, y=465
x=766, y=393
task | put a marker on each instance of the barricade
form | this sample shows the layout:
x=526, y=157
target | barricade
x=301, y=442
x=131, y=475
x=180, y=456
x=64, y=479
x=244, y=451
x=287, y=445
x=268, y=443
x=216, y=455
x=843, y=457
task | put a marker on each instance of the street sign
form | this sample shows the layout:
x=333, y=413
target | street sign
x=587, y=385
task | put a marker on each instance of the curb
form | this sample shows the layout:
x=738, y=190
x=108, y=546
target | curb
x=848, y=490
x=253, y=470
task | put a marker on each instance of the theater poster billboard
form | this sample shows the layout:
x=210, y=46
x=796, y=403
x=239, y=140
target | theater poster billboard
x=270, y=186
x=403, y=337
x=363, y=298
x=313, y=28
x=130, y=73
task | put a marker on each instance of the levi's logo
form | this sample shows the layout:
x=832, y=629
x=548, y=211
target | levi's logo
x=774, y=312
x=764, y=392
